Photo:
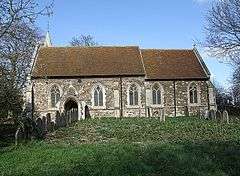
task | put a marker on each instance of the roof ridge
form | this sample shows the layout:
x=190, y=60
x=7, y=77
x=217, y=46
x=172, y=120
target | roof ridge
x=103, y=46
x=169, y=49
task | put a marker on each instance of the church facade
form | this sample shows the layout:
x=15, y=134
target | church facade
x=109, y=81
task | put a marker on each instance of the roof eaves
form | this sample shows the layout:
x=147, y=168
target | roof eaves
x=202, y=63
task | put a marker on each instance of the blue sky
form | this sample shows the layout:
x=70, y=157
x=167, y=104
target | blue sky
x=146, y=23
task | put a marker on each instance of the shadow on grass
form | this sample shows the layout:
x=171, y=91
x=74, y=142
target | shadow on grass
x=207, y=158
x=169, y=159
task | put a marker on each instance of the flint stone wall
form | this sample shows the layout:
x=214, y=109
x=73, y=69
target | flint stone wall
x=83, y=96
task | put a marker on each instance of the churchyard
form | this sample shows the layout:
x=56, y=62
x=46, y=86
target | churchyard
x=130, y=146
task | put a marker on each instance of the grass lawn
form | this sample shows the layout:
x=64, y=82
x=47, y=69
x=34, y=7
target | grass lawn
x=130, y=146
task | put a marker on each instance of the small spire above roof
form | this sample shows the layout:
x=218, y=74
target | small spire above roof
x=47, y=42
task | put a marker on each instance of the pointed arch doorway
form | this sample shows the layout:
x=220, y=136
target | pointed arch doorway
x=71, y=108
x=70, y=104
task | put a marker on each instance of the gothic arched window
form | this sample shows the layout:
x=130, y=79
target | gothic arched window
x=193, y=93
x=133, y=95
x=98, y=96
x=55, y=95
x=156, y=94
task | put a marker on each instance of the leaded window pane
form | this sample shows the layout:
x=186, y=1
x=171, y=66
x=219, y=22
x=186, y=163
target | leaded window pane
x=193, y=94
x=158, y=97
x=154, y=98
x=156, y=94
x=131, y=98
x=98, y=96
x=100, y=93
x=55, y=96
x=135, y=97
x=95, y=98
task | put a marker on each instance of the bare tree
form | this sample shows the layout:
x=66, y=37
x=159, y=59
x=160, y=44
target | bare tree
x=25, y=11
x=18, y=38
x=223, y=30
x=83, y=40
x=16, y=48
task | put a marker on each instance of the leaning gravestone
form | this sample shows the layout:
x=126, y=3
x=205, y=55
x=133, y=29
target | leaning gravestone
x=19, y=134
x=212, y=114
x=218, y=115
x=225, y=116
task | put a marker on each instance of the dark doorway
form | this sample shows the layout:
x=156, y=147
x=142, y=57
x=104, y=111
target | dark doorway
x=70, y=104
x=71, y=111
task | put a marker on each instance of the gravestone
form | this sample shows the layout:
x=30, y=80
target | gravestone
x=64, y=118
x=51, y=126
x=199, y=114
x=212, y=114
x=218, y=115
x=58, y=119
x=44, y=123
x=75, y=115
x=19, y=134
x=48, y=121
x=162, y=115
x=186, y=111
x=87, y=112
x=66, y=115
x=155, y=114
x=225, y=116
x=148, y=112
x=39, y=123
x=206, y=114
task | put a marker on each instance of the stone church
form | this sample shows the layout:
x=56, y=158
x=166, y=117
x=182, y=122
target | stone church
x=120, y=81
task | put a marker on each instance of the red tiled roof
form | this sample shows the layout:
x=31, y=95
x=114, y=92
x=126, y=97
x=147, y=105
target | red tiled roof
x=119, y=61
x=173, y=64
x=88, y=61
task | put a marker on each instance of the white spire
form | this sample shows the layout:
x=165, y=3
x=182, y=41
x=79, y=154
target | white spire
x=47, y=42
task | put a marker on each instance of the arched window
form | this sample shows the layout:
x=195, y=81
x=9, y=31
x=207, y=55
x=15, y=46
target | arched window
x=98, y=96
x=156, y=94
x=133, y=95
x=55, y=95
x=193, y=94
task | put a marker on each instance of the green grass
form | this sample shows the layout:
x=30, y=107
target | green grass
x=130, y=146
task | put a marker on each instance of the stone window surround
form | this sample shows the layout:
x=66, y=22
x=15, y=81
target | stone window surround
x=49, y=97
x=104, y=96
x=128, y=97
x=71, y=87
x=162, y=96
x=198, y=94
